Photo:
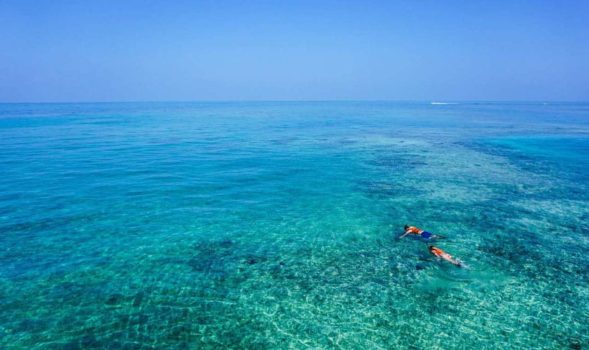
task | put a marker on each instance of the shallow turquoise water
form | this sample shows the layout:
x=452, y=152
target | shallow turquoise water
x=274, y=225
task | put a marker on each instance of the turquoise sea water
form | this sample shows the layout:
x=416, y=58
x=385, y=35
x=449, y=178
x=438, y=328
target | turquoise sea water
x=274, y=225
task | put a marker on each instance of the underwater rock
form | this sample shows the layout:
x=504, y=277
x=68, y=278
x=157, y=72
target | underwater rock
x=212, y=256
x=30, y=324
x=90, y=341
x=226, y=243
x=420, y=267
x=138, y=299
x=211, y=265
x=179, y=332
x=252, y=259
x=138, y=320
x=114, y=299
x=214, y=246
x=398, y=161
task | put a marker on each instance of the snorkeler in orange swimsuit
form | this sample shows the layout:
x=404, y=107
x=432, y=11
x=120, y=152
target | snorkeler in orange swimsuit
x=419, y=232
x=443, y=255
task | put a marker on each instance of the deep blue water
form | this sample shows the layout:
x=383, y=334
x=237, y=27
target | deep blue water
x=271, y=225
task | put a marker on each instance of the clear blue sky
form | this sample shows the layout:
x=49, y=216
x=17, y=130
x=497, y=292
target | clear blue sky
x=129, y=50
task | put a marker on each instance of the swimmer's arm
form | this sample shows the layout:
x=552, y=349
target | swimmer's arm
x=405, y=234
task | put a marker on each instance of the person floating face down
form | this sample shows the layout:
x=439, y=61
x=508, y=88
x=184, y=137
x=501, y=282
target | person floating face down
x=443, y=255
x=412, y=230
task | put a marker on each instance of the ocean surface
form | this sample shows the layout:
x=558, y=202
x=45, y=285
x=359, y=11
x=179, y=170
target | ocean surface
x=274, y=225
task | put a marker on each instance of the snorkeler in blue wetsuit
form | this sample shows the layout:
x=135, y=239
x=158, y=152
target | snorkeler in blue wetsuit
x=419, y=232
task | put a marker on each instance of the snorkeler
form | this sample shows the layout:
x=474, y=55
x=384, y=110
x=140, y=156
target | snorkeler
x=443, y=255
x=419, y=232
